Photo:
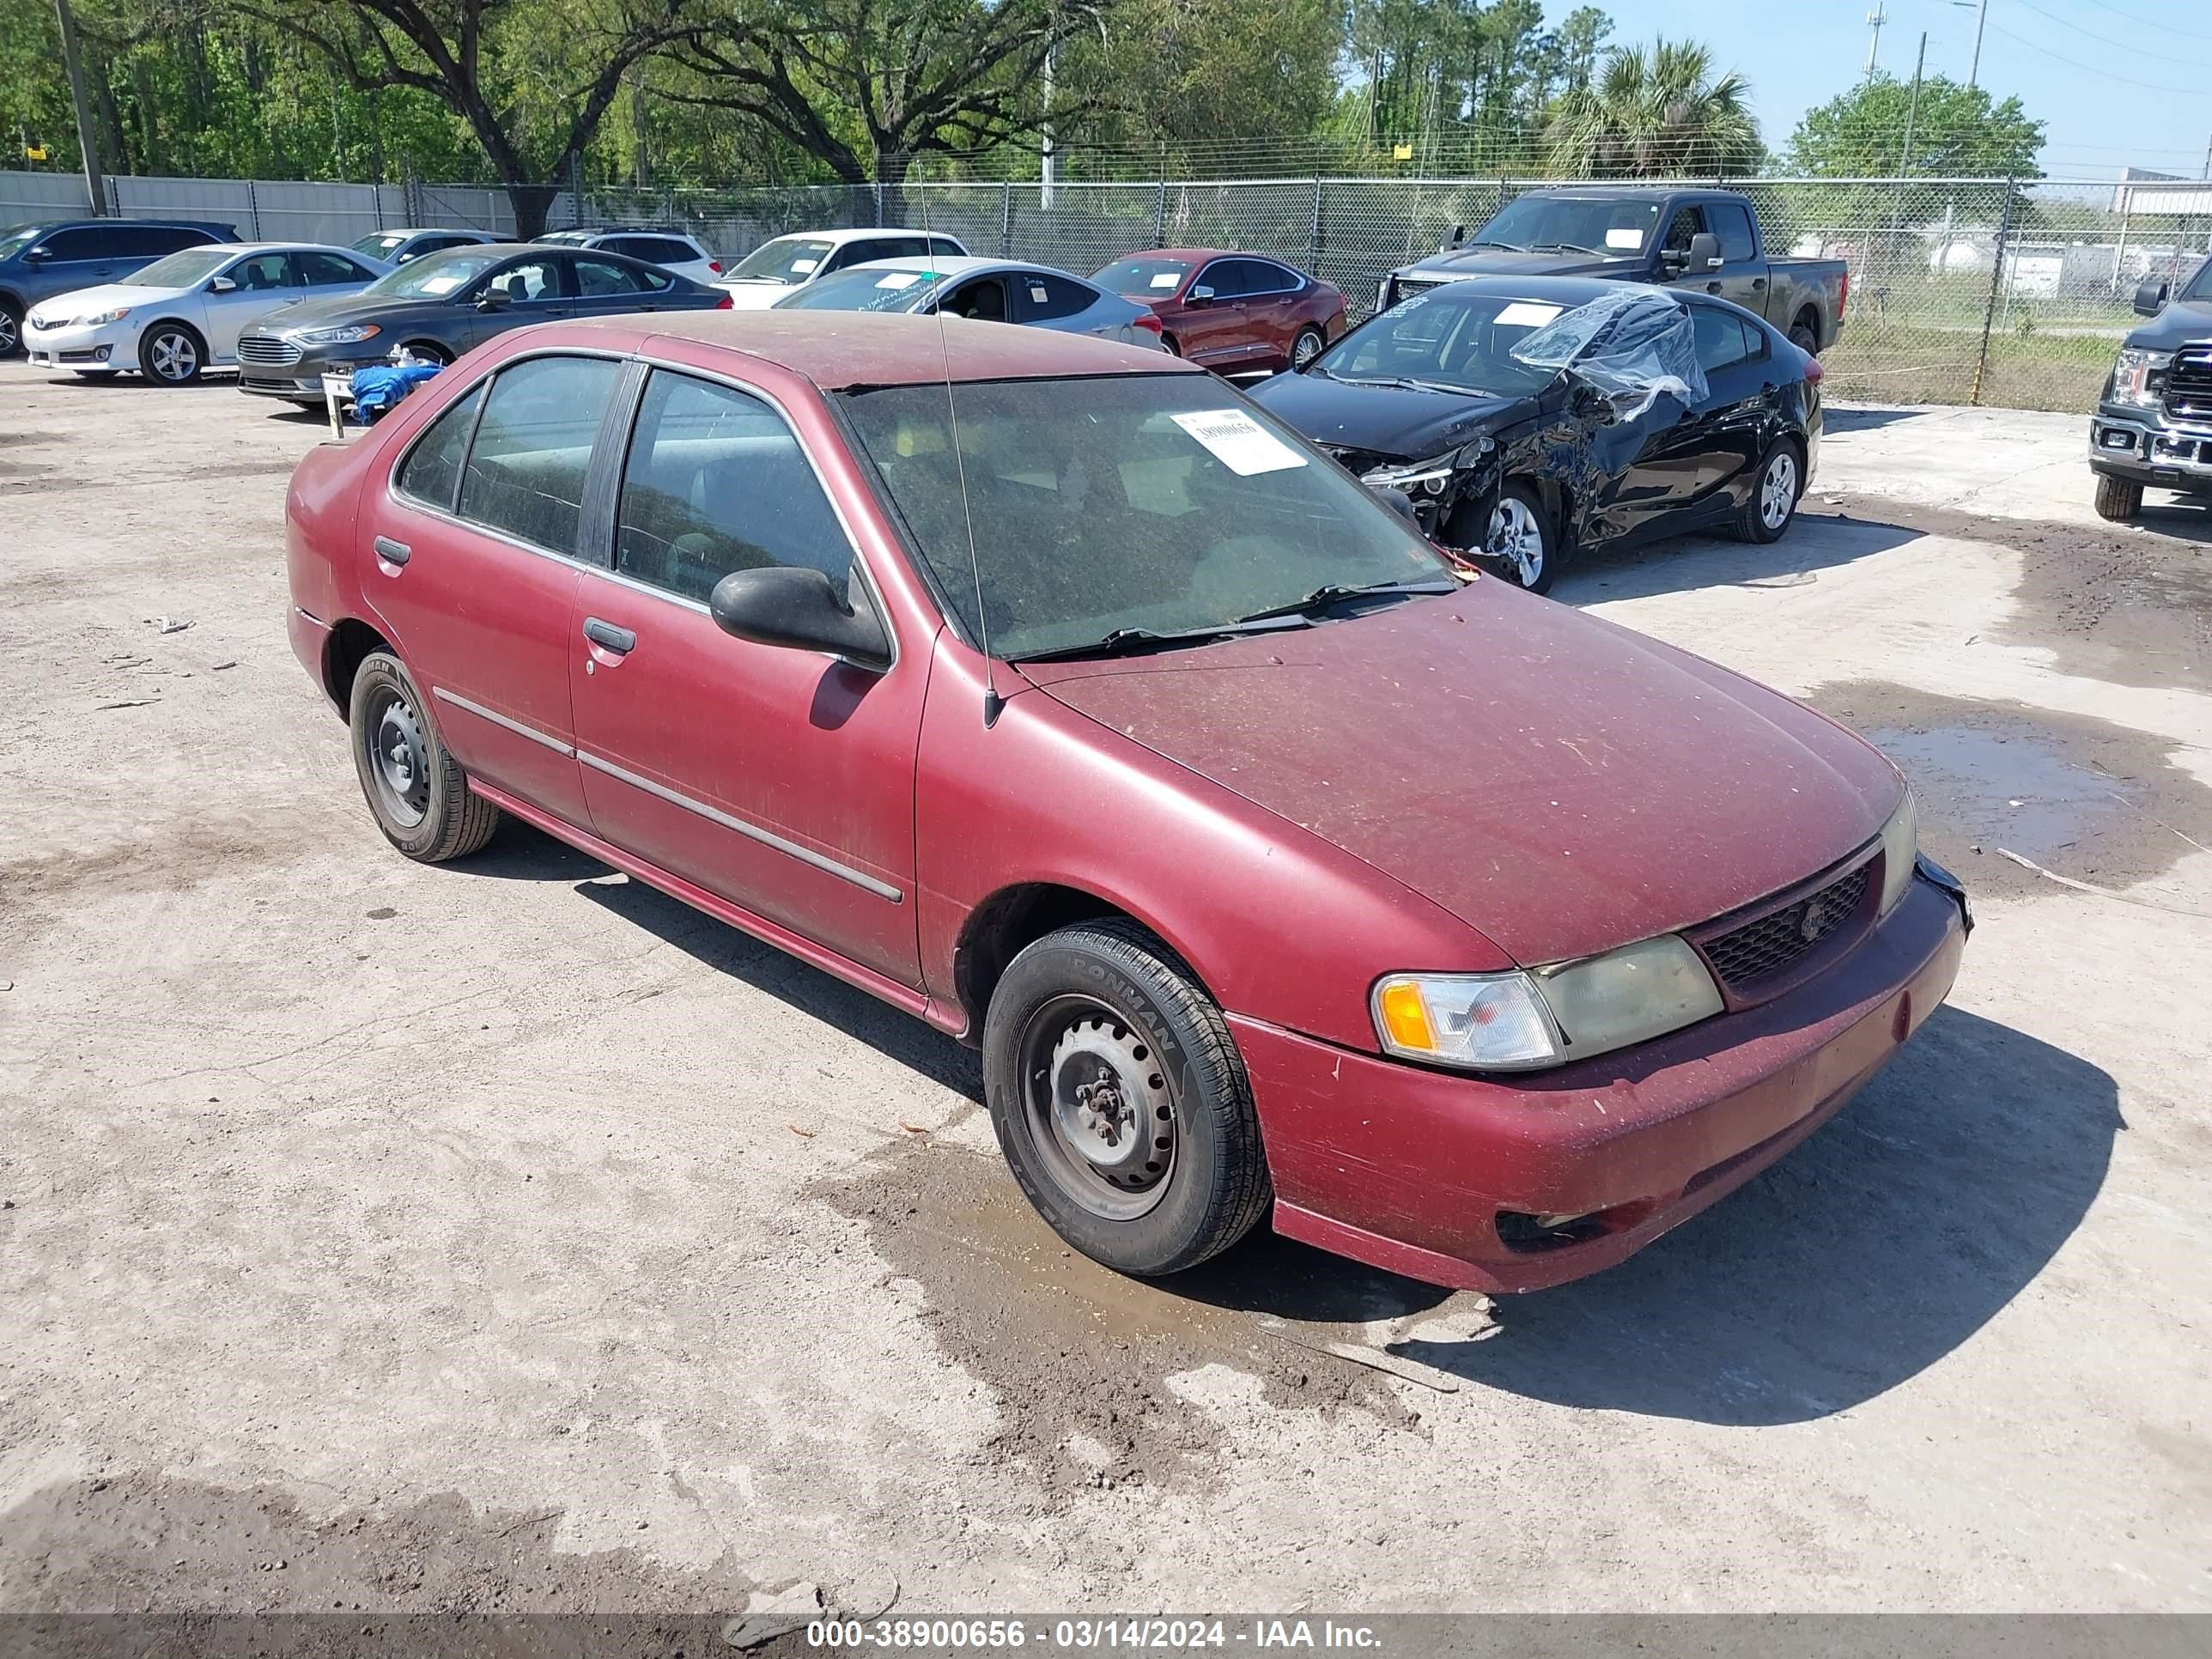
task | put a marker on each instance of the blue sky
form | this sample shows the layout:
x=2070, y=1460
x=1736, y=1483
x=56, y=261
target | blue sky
x=2109, y=79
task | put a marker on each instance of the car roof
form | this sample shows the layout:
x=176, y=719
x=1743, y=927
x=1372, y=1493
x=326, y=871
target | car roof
x=434, y=230
x=840, y=349
x=1615, y=192
x=281, y=247
x=948, y=264
x=839, y=238
x=228, y=233
x=1195, y=254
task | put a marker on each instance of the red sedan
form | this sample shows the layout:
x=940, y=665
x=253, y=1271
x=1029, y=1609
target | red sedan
x=1236, y=313
x=1276, y=870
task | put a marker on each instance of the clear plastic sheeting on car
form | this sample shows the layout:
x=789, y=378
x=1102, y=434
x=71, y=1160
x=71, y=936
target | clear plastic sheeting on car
x=1630, y=345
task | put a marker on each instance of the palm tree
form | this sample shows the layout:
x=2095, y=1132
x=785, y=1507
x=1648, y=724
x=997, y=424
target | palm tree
x=1655, y=112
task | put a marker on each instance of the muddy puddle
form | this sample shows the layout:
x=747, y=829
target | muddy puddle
x=2083, y=798
x=1080, y=1358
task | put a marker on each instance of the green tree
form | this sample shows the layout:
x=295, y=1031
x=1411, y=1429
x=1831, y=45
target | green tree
x=1655, y=113
x=1958, y=132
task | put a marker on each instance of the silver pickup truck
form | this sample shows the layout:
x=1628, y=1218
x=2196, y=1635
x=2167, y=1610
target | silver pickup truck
x=1704, y=238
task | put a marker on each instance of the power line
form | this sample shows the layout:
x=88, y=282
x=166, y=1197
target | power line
x=2116, y=45
x=2085, y=68
x=2145, y=22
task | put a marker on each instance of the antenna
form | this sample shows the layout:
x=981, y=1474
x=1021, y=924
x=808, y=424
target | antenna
x=993, y=702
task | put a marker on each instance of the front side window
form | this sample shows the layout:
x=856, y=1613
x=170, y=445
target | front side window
x=2200, y=285
x=432, y=471
x=1152, y=502
x=83, y=245
x=983, y=298
x=1732, y=226
x=526, y=470
x=716, y=481
x=262, y=273
x=529, y=279
x=1222, y=277
x=1687, y=223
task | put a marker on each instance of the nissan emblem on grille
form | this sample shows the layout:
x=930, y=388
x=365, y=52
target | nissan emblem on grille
x=1743, y=956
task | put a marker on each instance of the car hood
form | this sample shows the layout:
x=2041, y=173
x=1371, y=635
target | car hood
x=757, y=296
x=1491, y=262
x=340, y=308
x=1390, y=421
x=2185, y=322
x=108, y=296
x=1559, y=783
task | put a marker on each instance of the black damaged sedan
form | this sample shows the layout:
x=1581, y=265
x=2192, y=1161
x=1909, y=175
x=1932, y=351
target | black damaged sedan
x=1526, y=418
x=444, y=304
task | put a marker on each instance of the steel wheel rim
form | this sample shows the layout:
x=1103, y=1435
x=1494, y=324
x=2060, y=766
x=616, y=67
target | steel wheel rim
x=1304, y=349
x=174, y=357
x=1777, y=490
x=399, y=757
x=1516, y=537
x=1098, y=1108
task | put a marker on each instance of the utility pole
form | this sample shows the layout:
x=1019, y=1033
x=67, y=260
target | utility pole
x=1046, y=158
x=1912, y=108
x=1974, y=67
x=1877, y=17
x=96, y=189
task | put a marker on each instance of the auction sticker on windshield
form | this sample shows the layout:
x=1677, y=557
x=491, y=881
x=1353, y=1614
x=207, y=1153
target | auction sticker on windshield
x=1166, y=278
x=1527, y=314
x=896, y=279
x=1239, y=442
x=1625, y=236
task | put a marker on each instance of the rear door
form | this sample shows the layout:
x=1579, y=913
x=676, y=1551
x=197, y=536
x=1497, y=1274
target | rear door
x=606, y=288
x=780, y=781
x=476, y=579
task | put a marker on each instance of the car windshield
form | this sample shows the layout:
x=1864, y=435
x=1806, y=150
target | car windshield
x=435, y=275
x=1102, y=507
x=1448, y=338
x=378, y=244
x=789, y=260
x=16, y=238
x=182, y=269
x=859, y=288
x=1143, y=278
x=1575, y=224
x=2200, y=285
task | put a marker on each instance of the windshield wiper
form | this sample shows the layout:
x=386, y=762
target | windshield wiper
x=1399, y=382
x=1510, y=248
x=1131, y=641
x=1332, y=594
x=1563, y=247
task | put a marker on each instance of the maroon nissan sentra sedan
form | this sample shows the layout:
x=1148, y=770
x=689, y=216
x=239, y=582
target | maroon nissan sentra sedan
x=1085, y=712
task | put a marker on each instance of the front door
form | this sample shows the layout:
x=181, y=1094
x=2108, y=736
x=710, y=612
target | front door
x=781, y=781
x=535, y=289
x=476, y=571
x=1212, y=330
x=1694, y=452
x=259, y=283
x=1742, y=278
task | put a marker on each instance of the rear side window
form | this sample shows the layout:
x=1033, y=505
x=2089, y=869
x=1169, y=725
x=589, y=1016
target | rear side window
x=595, y=277
x=946, y=248
x=666, y=250
x=1045, y=296
x=1264, y=276
x=1732, y=226
x=533, y=447
x=1722, y=337
x=319, y=269
x=432, y=471
x=715, y=481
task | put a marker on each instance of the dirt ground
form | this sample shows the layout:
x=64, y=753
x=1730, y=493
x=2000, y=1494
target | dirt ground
x=507, y=1236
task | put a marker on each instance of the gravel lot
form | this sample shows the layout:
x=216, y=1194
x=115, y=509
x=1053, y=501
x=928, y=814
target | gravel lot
x=507, y=1236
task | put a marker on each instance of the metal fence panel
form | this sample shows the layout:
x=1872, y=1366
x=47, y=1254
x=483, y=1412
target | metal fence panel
x=33, y=196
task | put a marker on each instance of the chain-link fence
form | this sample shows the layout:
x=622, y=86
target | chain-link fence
x=1962, y=290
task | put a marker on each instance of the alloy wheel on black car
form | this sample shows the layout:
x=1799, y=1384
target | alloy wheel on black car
x=1520, y=540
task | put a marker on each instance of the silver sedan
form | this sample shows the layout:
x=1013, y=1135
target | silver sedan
x=986, y=290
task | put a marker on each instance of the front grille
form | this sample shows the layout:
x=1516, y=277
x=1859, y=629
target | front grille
x=2189, y=384
x=1746, y=955
x=270, y=353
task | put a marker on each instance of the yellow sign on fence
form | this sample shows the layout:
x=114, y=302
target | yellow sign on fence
x=34, y=152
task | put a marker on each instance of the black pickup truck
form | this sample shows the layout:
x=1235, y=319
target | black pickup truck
x=1702, y=238
x=2153, y=420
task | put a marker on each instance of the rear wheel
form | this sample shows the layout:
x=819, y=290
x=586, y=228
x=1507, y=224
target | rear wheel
x=169, y=354
x=2119, y=499
x=1121, y=1102
x=1167, y=344
x=1772, y=502
x=1803, y=336
x=1305, y=348
x=421, y=798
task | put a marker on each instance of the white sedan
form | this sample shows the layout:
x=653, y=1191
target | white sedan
x=184, y=314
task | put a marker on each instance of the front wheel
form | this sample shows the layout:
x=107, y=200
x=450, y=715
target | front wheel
x=421, y=798
x=1772, y=502
x=11, y=329
x=170, y=354
x=1121, y=1102
x=1522, y=540
x=2119, y=499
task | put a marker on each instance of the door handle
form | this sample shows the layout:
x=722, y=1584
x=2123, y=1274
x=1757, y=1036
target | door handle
x=1712, y=288
x=604, y=634
x=1759, y=282
x=392, y=552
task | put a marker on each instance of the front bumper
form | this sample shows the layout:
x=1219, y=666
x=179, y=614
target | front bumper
x=2142, y=445
x=302, y=381
x=1439, y=1175
x=103, y=345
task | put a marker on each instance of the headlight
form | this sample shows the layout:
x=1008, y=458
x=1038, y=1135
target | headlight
x=1431, y=475
x=345, y=336
x=92, y=319
x=2139, y=377
x=1900, y=841
x=1520, y=1022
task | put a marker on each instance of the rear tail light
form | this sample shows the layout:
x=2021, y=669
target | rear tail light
x=1813, y=372
x=715, y=265
x=725, y=303
x=1843, y=294
x=1149, y=323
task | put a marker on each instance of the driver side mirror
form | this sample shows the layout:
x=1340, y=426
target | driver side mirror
x=494, y=299
x=2150, y=299
x=795, y=606
x=220, y=285
x=1706, y=251
x=1201, y=296
x=33, y=256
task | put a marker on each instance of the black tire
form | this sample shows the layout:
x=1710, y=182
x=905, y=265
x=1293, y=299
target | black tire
x=1519, y=540
x=1107, y=1006
x=169, y=354
x=1167, y=344
x=1770, y=506
x=2119, y=499
x=430, y=350
x=1802, y=336
x=1306, y=346
x=421, y=799
x=11, y=330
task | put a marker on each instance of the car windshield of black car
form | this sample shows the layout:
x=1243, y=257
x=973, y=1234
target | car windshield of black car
x=1447, y=338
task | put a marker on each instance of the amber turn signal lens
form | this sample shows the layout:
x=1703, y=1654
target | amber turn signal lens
x=1405, y=1017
